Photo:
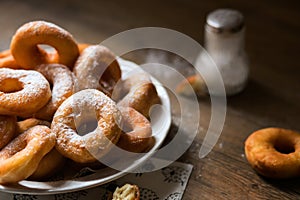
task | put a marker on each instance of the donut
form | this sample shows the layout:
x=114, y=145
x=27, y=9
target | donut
x=140, y=93
x=127, y=191
x=53, y=56
x=61, y=79
x=274, y=152
x=25, y=50
x=26, y=124
x=97, y=68
x=22, y=92
x=5, y=53
x=52, y=161
x=7, y=60
x=82, y=46
x=20, y=158
x=137, y=133
x=86, y=126
x=50, y=164
x=194, y=82
x=7, y=129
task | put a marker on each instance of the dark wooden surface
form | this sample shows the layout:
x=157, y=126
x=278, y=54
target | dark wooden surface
x=272, y=97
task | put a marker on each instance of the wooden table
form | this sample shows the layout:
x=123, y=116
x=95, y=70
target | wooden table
x=272, y=96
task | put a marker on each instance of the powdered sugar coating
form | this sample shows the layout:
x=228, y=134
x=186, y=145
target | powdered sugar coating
x=82, y=107
x=63, y=86
x=7, y=129
x=97, y=68
x=33, y=95
x=20, y=158
x=35, y=26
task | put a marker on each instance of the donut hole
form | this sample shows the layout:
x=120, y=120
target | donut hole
x=47, y=48
x=284, y=147
x=126, y=127
x=87, y=126
x=16, y=146
x=49, y=52
x=10, y=85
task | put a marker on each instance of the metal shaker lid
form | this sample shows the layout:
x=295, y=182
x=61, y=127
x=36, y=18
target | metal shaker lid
x=225, y=20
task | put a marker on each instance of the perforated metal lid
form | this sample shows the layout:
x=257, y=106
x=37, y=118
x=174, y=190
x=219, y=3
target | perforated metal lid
x=225, y=20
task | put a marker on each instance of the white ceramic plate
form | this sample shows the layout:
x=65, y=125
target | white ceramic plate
x=160, y=127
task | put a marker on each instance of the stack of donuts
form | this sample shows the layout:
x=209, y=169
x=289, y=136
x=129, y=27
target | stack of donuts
x=68, y=102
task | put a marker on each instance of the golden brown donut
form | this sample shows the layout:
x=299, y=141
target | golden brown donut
x=137, y=132
x=5, y=53
x=140, y=93
x=25, y=50
x=49, y=165
x=26, y=124
x=53, y=56
x=274, y=152
x=7, y=129
x=22, y=92
x=52, y=161
x=194, y=82
x=62, y=81
x=97, y=68
x=82, y=110
x=7, y=60
x=82, y=46
x=21, y=157
x=127, y=192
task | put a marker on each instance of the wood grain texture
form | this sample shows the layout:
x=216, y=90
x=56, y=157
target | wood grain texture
x=272, y=96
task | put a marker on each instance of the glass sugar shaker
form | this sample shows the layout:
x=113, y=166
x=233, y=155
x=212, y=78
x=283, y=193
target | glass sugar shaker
x=224, y=42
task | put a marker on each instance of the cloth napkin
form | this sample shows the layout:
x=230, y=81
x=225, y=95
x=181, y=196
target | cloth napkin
x=167, y=183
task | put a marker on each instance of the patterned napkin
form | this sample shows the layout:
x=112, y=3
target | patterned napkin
x=167, y=183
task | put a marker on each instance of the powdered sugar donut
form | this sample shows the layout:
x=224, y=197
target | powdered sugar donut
x=62, y=81
x=52, y=161
x=7, y=129
x=97, y=68
x=86, y=126
x=20, y=158
x=22, y=92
